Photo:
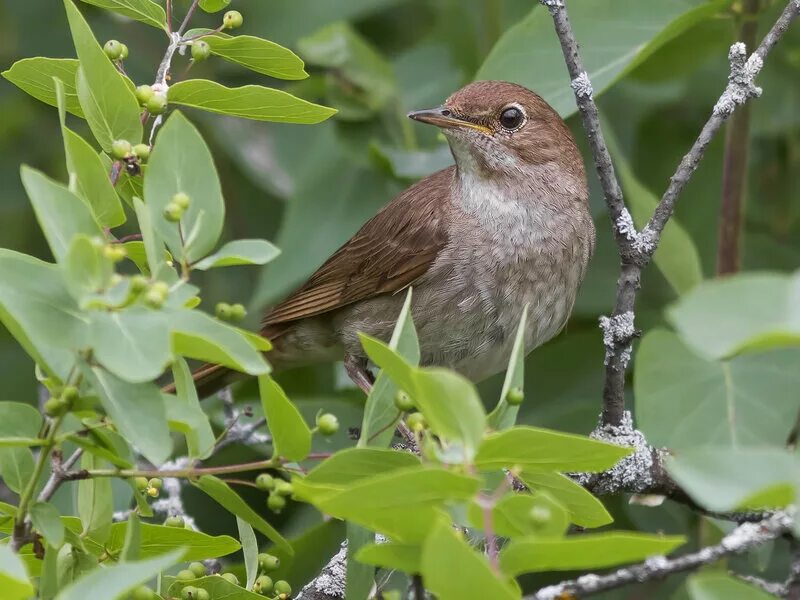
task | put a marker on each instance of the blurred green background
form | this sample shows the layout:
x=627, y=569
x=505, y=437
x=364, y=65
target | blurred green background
x=308, y=188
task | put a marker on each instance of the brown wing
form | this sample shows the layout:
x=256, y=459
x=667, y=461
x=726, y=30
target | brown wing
x=387, y=254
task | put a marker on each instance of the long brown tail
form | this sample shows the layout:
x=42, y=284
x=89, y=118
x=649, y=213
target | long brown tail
x=208, y=380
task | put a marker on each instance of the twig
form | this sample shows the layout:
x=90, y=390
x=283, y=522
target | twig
x=169, y=16
x=188, y=17
x=744, y=537
x=58, y=468
x=331, y=582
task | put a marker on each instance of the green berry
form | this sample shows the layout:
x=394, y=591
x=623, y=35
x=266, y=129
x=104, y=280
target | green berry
x=172, y=212
x=142, y=151
x=142, y=593
x=121, y=148
x=231, y=577
x=124, y=53
x=223, y=311
x=139, y=284
x=282, y=587
x=202, y=594
x=276, y=503
x=113, y=49
x=283, y=487
x=403, y=401
x=182, y=199
x=175, y=522
x=327, y=424
x=115, y=252
x=70, y=393
x=263, y=584
x=157, y=104
x=160, y=287
x=185, y=575
x=155, y=482
x=515, y=396
x=141, y=483
x=198, y=568
x=238, y=312
x=143, y=93
x=55, y=407
x=232, y=19
x=153, y=299
x=416, y=421
x=265, y=482
x=268, y=562
x=152, y=492
x=189, y=592
x=200, y=50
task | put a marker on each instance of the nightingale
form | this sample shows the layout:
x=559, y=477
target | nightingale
x=507, y=225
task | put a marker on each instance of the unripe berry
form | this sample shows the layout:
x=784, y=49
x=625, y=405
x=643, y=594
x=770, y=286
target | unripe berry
x=152, y=492
x=232, y=19
x=172, y=212
x=185, y=575
x=403, y=401
x=154, y=297
x=265, y=482
x=157, y=104
x=182, y=199
x=143, y=593
x=223, y=311
x=70, y=393
x=189, y=592
x=155, y=482
x=268, y=562
x=55, y=407
x=200, y=50
x=142, y=151
x=121, y=148
x=276, y=503
x=327, y=424
x=283, y=487
x=113, y=49
x=263, y=584
x=115, y=252
x=143, y=93
x=175, y=521
x=160, y=287
x=198, y=568
x=141, y=483
x=282, y=587
x=416, y=421
x=139, y=283
x=515, y=396
x=202, y=594
x=231, y=577
x=238, y=312
x=124, y=54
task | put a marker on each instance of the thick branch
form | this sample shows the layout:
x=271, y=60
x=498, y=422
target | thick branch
x=741, y=539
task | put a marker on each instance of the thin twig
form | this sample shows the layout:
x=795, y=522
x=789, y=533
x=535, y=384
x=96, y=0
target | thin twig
x=188, y=17
x=169, y=16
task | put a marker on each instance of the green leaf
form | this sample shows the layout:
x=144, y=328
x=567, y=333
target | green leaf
x=392, y=555
x=239, y=252
x=118, y=579
x=676, y=256
x=684, y=401
x=380, y=413
x=220, y=492
x=248, y=102
x=87, y=270
x=133, y=344
x=291, y=437
x=766, y=314
x=111, y=109
x=512, y=516
x=137, y=410
x=182, y=162
x=250, y=551
x=186, y=415
x=584, y=509
x=16, y=467
x=92, y=180
x=35, y=76
x=721, y=586
x=724, y=478
x=16, y=441
x=18, y=419
x=48, y=580
x=354, y=464
x=504, y=414
x=39, y=312
x=446, y=553
x=95, y=502
x=197, y=335
x=259, y=55
x=153, y=244
x=13, y=576
x=537, y=449
x=529, y=52
x=133, y=538
x=47, y=522
x=212, y=6
x=61, y=214
x=107, y=445
x=145, y=11
x=217, y=587
x=586, y=551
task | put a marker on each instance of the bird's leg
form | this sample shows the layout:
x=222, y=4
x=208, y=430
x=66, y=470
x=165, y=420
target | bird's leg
x=358, y=373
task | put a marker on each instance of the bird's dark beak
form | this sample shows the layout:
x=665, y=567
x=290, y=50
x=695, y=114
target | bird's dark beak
x=444, y=118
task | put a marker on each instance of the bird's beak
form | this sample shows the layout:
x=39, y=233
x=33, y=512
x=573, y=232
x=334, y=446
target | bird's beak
x=443, y=117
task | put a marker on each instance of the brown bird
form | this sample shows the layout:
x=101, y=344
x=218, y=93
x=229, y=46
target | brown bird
x=507, y=225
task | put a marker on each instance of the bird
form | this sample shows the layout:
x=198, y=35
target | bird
x=508, y=225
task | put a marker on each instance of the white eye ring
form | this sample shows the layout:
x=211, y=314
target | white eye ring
x=519, y=118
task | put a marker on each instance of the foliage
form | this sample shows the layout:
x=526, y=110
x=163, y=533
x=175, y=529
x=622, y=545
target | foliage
x=136, y=249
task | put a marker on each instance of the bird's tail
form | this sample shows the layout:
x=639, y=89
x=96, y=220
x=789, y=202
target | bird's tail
x=208, y=380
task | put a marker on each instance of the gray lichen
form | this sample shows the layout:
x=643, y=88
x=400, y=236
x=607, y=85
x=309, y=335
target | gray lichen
x=632, y=473
x=618, y=329
x=740, y=81
x=582, y=85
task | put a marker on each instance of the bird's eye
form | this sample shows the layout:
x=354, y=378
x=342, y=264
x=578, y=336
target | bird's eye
x=511, y=117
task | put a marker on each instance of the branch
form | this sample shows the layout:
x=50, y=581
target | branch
x=330, y=583
x=741, y=539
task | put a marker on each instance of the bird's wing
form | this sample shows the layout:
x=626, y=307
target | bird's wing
x=388, y=253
